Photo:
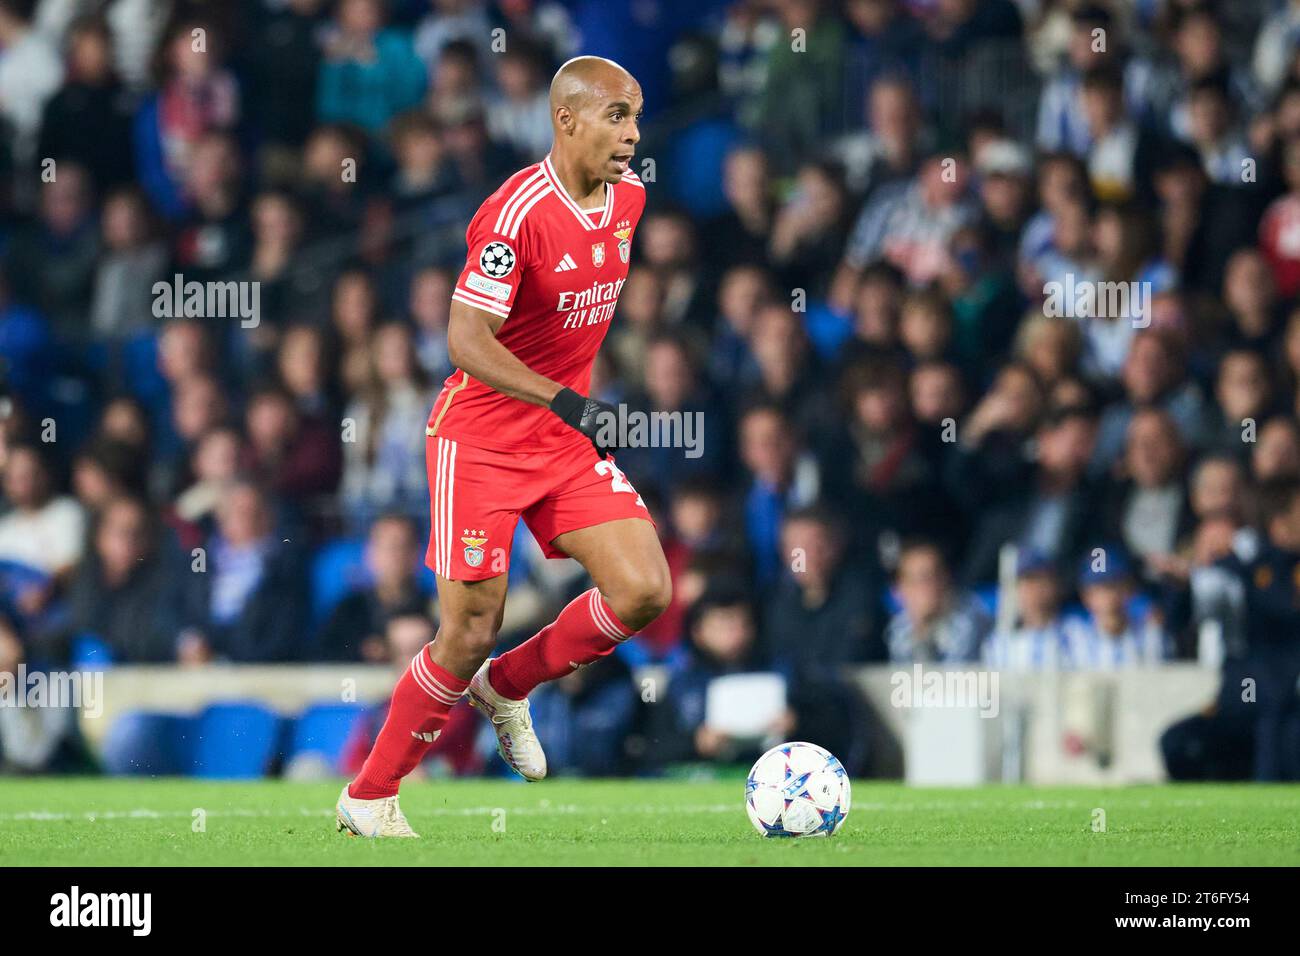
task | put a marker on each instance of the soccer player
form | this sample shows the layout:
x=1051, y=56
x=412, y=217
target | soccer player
x=513, y=435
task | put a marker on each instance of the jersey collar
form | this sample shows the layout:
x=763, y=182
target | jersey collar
x=608, y=213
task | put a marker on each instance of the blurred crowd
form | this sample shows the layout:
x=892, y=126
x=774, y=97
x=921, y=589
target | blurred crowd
x=858, y=214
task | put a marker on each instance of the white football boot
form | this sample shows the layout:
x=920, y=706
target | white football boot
x=517, y=742
x=371, y=818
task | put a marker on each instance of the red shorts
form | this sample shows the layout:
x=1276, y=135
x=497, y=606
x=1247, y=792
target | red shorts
x=476, y=497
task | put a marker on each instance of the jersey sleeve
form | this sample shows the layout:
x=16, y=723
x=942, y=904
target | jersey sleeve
x=494, y=265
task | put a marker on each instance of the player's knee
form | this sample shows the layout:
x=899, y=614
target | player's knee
x=474, y=636
x=639, y=602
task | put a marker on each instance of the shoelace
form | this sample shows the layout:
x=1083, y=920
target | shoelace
x=511, y=712
x=391, y=816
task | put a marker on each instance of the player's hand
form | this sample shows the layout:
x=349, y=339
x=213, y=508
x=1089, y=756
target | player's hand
x=594, y=418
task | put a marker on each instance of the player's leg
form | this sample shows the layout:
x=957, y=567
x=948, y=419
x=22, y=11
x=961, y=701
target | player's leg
x=627, y=563
x=592, y=513
x=469, y=615
x=471, y=600
x=461, y=650
x=633, y=586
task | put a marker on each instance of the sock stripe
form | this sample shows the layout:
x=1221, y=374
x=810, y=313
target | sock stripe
x=603, y=619
x=431, y=691
x=430, y=684
x=432, y=670
x=593, y=605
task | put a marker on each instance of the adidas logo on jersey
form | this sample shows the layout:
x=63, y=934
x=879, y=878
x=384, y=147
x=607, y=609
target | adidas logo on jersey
x=566, y=264
x=426, y=736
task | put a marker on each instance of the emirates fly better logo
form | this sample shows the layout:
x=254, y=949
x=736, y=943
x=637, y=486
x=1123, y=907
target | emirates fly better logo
x=592, y=305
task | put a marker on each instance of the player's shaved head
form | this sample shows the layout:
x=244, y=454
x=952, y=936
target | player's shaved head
x=585, y=79
x=595, y=113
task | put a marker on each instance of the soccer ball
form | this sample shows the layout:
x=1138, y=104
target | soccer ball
x=797, y=790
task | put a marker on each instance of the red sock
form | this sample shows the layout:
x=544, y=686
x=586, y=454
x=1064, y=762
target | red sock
x=585, y=630
x=421, y=701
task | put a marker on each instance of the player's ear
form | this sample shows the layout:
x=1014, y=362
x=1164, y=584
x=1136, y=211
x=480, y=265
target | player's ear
x=564, y=119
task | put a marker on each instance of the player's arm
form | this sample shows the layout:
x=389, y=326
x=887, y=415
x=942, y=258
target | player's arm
x=473, y=347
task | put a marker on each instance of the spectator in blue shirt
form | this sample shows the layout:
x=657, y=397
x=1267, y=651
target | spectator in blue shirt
x=247, y=601
x=369, y=74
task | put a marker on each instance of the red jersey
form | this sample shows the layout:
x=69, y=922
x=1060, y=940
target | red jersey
x=553, y=272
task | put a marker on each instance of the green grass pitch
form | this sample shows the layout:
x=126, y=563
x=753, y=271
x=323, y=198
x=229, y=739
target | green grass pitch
x=88, y=822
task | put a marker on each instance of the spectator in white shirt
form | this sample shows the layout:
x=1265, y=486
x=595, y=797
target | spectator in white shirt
x=30, y=73
x=1113, y=146
x=384, y=467
x=42, y=530
x=1109, y=637
x=1036, y=642
x=1275, y=46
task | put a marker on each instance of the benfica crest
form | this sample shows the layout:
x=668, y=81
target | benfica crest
x=473, y=550
x=597, y=254
x=624, y=242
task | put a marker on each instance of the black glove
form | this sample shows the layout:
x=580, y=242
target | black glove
x=589, y=416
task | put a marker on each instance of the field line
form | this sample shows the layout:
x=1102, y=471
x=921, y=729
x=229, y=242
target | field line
x=546, y=808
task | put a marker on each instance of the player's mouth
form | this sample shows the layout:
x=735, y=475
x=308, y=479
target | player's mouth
x=622, y=160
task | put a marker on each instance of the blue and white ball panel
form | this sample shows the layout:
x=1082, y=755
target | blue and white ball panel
x=797, y=789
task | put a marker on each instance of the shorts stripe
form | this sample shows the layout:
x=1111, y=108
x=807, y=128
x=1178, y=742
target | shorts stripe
x=451, y=502
x=443, y=523
x=443, y=453
x=443, y=503
x=444, y=506
x=438, y=491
